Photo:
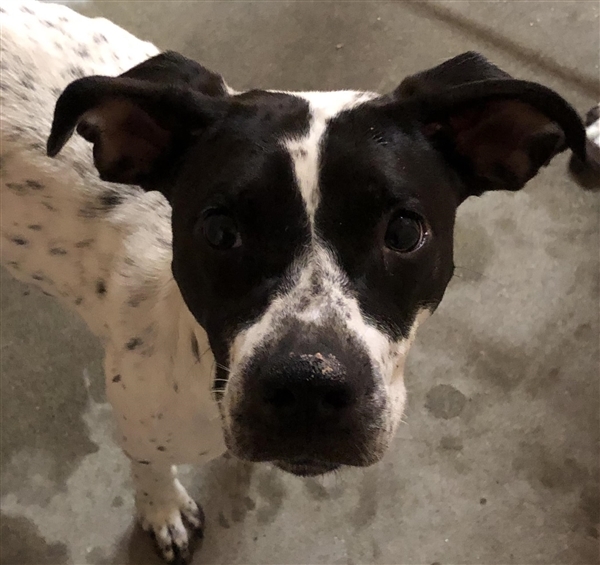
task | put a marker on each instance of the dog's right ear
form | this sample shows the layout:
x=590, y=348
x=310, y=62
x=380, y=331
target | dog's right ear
x=141, y=121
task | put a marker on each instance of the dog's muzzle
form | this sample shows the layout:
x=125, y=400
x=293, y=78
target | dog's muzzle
x=309, y=409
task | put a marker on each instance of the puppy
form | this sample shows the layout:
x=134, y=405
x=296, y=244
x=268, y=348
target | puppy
x=255, y=263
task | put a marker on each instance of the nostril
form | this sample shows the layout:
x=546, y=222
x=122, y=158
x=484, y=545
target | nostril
x=280, y=398
x=337, y=399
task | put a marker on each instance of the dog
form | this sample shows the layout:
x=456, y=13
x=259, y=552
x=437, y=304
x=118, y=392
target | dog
x=256, y=264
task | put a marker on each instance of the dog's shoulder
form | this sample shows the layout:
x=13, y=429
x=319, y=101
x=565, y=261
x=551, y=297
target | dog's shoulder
x=98, y=246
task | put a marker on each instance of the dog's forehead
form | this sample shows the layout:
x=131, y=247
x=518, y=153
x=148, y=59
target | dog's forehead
x=305, y=149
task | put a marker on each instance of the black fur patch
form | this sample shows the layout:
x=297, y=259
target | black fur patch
x=116, y=379
x=58, y=251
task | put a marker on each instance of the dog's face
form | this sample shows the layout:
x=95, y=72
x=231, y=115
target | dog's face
x=312, y=232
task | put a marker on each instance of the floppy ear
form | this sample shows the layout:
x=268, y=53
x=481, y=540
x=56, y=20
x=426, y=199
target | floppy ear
x=141, y=121
x=497, y=132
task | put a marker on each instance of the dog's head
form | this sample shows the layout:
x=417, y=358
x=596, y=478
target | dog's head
x=313, y=232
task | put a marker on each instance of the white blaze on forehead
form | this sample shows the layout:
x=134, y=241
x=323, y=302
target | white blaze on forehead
x=305, y=150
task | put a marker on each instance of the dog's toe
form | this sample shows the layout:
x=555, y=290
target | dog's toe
x=165, y=517
x=194, y=516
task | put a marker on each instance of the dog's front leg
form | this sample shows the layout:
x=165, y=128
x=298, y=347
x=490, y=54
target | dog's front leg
x=164, y=507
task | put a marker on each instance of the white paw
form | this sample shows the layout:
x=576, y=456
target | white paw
x=165, y=516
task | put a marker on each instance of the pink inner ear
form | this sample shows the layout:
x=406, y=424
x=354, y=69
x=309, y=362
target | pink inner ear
x=127, y=141
x=497, y=136
x=140, y=125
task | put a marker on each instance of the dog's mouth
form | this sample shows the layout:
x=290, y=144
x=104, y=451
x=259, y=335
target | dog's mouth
x=307, y=467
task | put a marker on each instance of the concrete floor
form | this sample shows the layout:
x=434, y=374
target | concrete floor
x=498, y=462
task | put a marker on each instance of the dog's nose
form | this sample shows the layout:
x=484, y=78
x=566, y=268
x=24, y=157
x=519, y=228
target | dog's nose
x=307, y=389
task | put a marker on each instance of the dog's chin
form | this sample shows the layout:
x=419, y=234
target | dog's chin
x=306, y=467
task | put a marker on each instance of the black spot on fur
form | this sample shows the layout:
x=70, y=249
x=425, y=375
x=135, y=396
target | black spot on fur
x=116, y=379
x=34, y=184
x=176, y=387
x=76, y=71
x=49, y=206
x=27, y=10
x=19, y=240
x=58, y=251
x=78, y=301
x=83, y=52
x=16, y=187
x=48, y=23
x=35, y=227
x=104, y=203
x=134, y=343
x=47, y=294
x=26, y=83
x=144, y=462
x=84, y=243
x=100, y=287
x=195, y=348
x=163, y=242
x=13, y=264
x=161, y=448
x=38, y=277
x=315, y=285
x=110, y=199
x=99, y=38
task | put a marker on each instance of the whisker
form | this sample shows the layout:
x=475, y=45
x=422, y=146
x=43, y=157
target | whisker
x=223, y=367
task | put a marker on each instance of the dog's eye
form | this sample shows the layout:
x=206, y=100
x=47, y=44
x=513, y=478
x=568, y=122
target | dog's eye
x=220, y=230
x=405, y=233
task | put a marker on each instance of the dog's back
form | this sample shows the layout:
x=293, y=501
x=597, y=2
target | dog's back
x=62, y=228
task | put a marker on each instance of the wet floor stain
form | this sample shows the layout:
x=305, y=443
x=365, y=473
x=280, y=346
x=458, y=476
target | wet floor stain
x=445, y=401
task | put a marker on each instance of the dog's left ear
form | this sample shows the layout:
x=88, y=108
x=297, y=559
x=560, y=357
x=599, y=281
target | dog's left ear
x=142, y=121
x=496, y=132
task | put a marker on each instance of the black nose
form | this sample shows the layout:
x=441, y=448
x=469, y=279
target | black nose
x=309, y=389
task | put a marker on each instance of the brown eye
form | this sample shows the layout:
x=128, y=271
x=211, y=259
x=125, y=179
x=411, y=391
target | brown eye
x=220, y=230
x=405, y=233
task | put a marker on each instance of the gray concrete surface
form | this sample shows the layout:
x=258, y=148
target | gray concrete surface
x=498, y=460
